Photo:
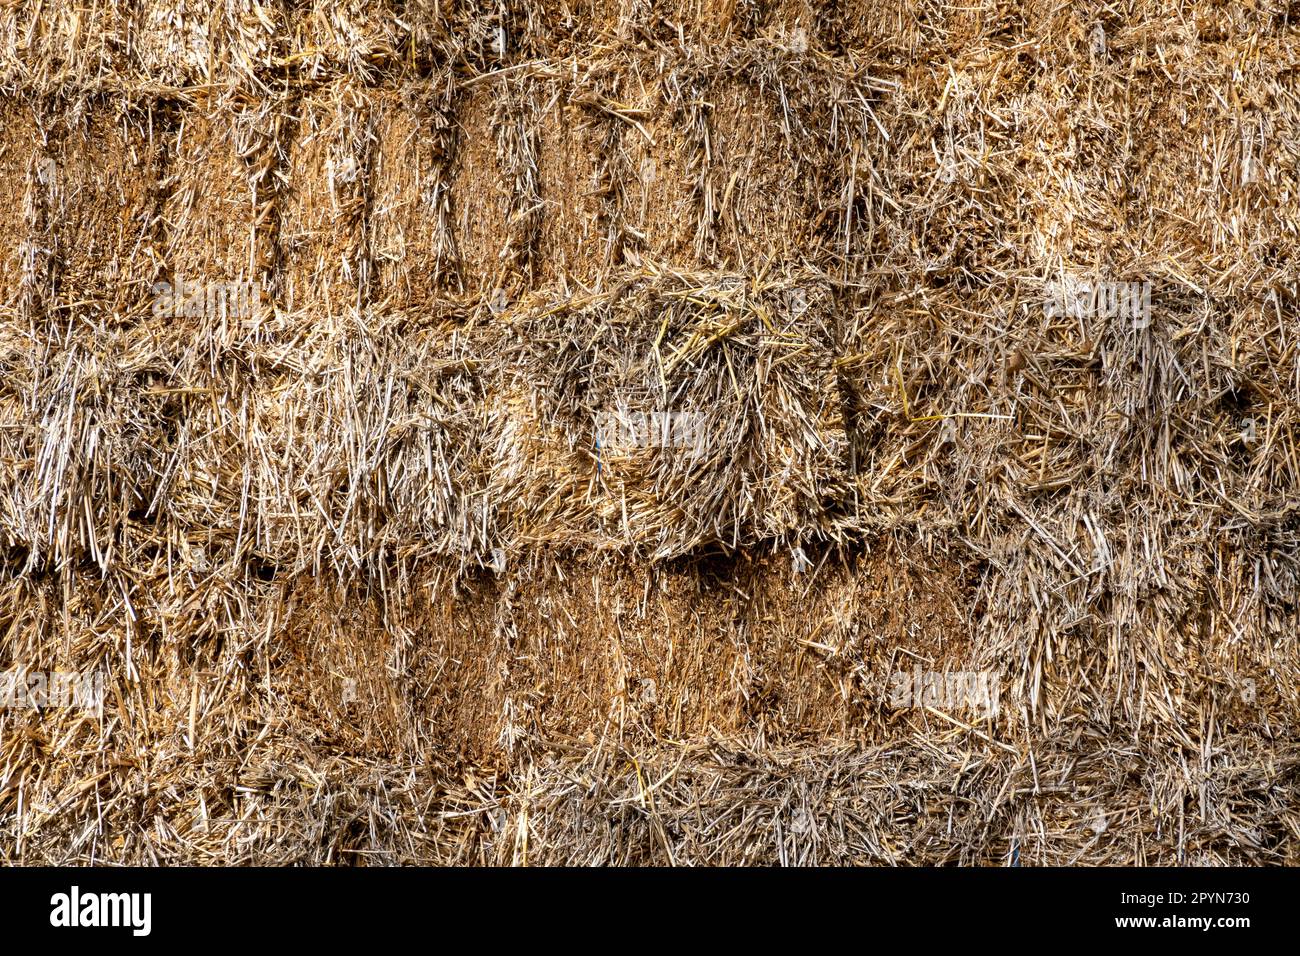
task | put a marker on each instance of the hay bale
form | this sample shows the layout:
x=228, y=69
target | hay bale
x=481, y=196
x=659, y=413
x=155, y=45
x=356, y=38
x=321, y=227
x=756, y=182
x=27, y=173
x=412, y=243
x=1195, y=163
x=221, y=170
x=574, y=247
x=102, y=216
x=764, y=449
x=660, y=176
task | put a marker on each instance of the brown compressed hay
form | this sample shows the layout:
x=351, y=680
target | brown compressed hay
x=102, y=213
x=574, y=244
x=363, y=586
x=688, y=653
x=217, y=212
x=661, y=173
x=327, y=164
x=26, y=172
x=481, y=195
x=731, y=648
x=292, y=787
x=713, y=171
x=756, y=182
x=412, y=244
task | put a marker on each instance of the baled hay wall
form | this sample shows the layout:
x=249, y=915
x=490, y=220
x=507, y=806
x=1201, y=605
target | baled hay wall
x=366, y=588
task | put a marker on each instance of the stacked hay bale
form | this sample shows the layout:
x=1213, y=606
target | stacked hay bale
x=642, y=417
